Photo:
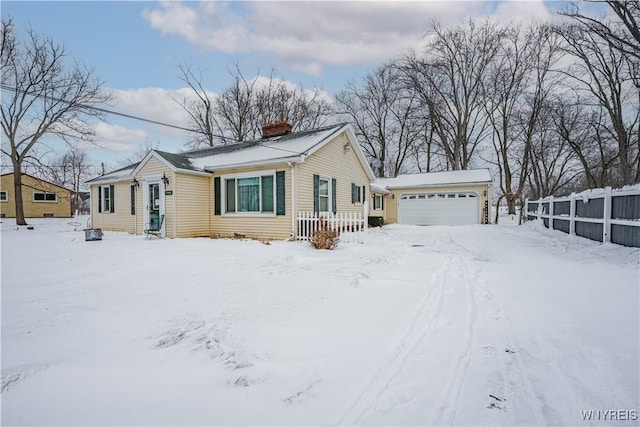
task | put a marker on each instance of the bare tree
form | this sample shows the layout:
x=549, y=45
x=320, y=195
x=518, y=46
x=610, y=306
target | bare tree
x=622, y=34
x=200, y=109
x=43, y=96
x=449, y=80
x=240, y=111
x=69, y=170
x=515, y=94
x=602, y=75
x=139, y=154
x=387, y=119
x=553, y=163
x=581, y=127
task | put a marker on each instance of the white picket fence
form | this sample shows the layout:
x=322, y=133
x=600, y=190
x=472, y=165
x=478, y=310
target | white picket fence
x=352, y=226
x=617, y=224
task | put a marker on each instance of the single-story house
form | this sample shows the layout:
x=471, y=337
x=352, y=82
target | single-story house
x=254, y=188
x=436, y=198
x=40, y=198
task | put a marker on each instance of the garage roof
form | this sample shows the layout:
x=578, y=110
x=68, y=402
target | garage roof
x=472, y=176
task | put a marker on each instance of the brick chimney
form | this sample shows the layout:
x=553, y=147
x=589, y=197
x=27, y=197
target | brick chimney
x=276, y=129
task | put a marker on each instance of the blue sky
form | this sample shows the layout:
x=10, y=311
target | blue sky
x=136, y=47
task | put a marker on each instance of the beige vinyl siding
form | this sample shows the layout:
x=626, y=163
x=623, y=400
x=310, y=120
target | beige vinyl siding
x=61, y=208
x=192, y=196
x=332, y=161
x=155, y=167
x=275, y=227
x=121, y=219
x=391, y=206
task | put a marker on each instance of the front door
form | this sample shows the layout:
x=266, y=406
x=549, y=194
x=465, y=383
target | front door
x=154, y=206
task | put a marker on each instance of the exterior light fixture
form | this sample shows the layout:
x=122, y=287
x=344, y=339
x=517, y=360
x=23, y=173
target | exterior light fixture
x=165, y=179
x=136, y=183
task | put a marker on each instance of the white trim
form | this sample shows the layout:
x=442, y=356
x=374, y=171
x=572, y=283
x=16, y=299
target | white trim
x=430, y=186
x=373, y=198
x=6, y=196
x=329, y=194
x=145, y=203
x=353, y=141
x=101, y=199
x=281, y=160
x=33, y=197
x=241, y=175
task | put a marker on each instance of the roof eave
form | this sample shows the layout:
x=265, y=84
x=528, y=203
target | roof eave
x=444, y=184
x=297, y=159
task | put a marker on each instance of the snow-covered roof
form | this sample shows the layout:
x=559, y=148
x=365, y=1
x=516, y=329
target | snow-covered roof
x=278, y=149
x=377, y=188
x=269, y=150
x=117, y=175
x=429, y=179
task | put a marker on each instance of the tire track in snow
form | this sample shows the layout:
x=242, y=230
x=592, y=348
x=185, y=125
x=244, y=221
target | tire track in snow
x=427, y=312
x=447, y=409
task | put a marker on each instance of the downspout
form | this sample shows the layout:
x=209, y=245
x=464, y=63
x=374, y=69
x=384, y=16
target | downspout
x=293, y=200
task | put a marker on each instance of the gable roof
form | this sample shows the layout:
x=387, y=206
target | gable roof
x=431, y=179
x=41, y=180
x=278, y=149
x=121, y=174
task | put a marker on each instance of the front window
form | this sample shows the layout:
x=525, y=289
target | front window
x=3, y=196
x=44, y=197
x=249, y=194
x=323, y=193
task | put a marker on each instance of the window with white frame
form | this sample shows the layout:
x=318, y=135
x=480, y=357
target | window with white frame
x=41, y=196
x=324, y=194
x=249, y=193
x=106, y=198
x=377, y=202
x=4, y=196
x=358, y=193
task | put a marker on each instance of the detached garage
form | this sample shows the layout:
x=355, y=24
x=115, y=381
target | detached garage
x=438, y=198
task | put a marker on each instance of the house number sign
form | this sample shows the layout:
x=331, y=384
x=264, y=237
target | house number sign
x=168, y=192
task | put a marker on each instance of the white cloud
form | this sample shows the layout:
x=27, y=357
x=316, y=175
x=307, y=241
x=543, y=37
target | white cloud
x=306, y=35
x=119, y=138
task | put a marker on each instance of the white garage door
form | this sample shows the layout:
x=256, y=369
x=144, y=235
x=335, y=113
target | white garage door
x=439, y=208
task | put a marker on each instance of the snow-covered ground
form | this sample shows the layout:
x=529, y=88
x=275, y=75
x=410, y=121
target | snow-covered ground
x=469, y=325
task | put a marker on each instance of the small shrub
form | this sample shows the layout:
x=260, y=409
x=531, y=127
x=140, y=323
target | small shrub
x=323, y=237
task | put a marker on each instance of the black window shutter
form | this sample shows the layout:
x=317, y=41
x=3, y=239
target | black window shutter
x=334, y=198
x=364, y=194
x=216, y=196
x=381, y=202
x=99, y=199
x=280, y=193
x=133, y=200
x=112, y=199
x=316, y=193
x=354, y=193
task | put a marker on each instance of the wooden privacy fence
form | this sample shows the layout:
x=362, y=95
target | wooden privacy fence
x=604, y=215
x=352, y=226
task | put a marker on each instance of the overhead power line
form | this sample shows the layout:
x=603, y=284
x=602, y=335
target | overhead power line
x=133, y=117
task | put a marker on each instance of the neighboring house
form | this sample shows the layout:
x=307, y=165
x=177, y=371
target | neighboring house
x=40, y=198
x=253, y=188
x=436, y=198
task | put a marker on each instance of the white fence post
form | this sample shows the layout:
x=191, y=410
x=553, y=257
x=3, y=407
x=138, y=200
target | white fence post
x=606, y=225
x=572, y=214
x=539, y=209
x=550, y=213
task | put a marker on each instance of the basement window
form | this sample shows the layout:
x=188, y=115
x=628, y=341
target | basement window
x=45, y=197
